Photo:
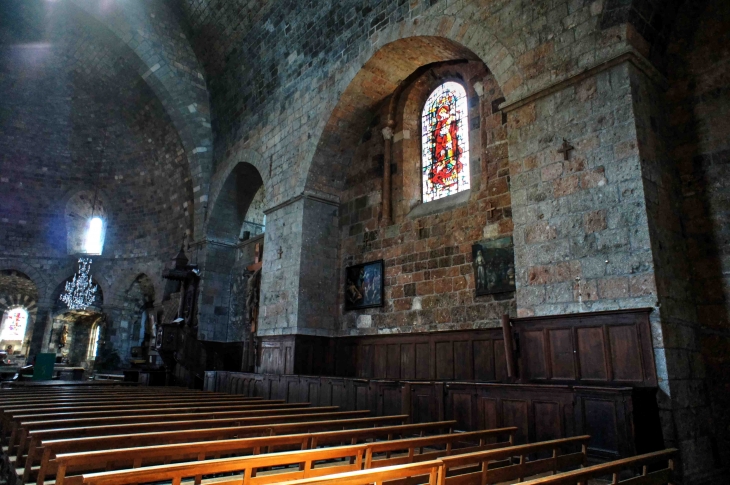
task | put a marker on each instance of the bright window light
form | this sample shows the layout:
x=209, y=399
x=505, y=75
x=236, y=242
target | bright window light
x=94, y=236
x=94, y=342
x=14, y=324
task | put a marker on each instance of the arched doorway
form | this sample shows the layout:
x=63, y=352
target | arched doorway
x=18, y=308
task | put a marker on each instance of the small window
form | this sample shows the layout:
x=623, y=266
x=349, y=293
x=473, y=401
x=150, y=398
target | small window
x=94, y=236
x=94, y=342
x=14, y=325
x=445, y=142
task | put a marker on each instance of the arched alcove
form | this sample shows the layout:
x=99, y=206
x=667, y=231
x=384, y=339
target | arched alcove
x=239, y=205
x=84, y=211
x=70, y=330
x=18, y=298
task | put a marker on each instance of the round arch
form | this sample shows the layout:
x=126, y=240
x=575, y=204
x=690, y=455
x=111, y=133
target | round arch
x=232, y=203
x=396, y=54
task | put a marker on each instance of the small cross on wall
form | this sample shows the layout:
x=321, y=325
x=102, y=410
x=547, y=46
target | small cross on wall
x=489, y=210
x=565, y=149
x=280, y=252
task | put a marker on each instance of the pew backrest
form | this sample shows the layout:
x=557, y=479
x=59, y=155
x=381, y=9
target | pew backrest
x=65, y=463
x=427, y=472
x=662, y=476
x=471, y=441
x=496, y=466
x=340, y=459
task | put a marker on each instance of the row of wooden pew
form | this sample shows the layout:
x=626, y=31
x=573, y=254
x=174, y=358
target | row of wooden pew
x=109, y=435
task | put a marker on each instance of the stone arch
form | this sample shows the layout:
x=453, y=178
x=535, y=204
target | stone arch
x=150, y=291
x=17, y=289
x=393, y=56
x=165, y=60
x=58, y=307
x=232, y=202
x=222, y=175
x=78, y=210
x=34, y=275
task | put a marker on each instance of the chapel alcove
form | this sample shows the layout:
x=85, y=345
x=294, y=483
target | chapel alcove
x=19, y=298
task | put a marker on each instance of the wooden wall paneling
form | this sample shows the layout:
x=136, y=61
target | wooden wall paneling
x=603, y=414
x=532, y=355
x=623, y=341
x=500, y=362
x=388, y=397
x=461, y=405
x=444, y=357
x=483, y=354
x=591, y=353
x=424, y=361
x=425, y=401
x=463, y=360
x=612, y=347
x=380, y=357
x=392, y=361
x=364, y=361
x=360, y=395
x=548, y=420
x=561, y=356
x=407, y=361
x=515, y=412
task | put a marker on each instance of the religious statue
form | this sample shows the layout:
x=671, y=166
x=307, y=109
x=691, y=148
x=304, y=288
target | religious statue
x=481, y=267
x=445, y=150
x=252, y=298
x=63, y=337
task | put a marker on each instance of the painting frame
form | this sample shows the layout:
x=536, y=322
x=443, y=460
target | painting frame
x=493, y=262
x=364, y=285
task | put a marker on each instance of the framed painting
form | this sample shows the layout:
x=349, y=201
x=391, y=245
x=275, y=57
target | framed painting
x=364, y=285
x=494, y=266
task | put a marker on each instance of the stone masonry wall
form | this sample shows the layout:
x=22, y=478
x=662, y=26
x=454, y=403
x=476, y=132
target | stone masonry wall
x=699, y=96
x=429, y=276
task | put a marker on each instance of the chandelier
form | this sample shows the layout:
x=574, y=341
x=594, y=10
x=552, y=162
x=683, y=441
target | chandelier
x=80, y=291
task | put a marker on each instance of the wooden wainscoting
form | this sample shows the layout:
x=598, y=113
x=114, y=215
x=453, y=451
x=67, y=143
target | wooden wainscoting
x=621, y=420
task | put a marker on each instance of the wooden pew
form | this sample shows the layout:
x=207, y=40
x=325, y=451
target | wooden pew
x=428, y=472
x=339, y=459
x=497, y=466
x=256, y=445
x=8, y=418
x=355, y=436
x=64, y=464
x=662, y=476
x=30, y=441
x=25, y=436
x=410, y=450
x=42, y=452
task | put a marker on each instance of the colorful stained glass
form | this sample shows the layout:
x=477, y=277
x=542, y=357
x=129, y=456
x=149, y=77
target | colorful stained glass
x=14, y=324
x=445, y=142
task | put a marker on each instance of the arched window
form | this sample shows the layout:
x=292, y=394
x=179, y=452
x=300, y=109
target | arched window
x=94, y=241
x=13, y=328
x=86, y=222
x=445, y=142
x=94, y=342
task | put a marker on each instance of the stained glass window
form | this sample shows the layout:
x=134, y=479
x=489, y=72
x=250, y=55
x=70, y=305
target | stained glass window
x=445, y=142
x=14, y=325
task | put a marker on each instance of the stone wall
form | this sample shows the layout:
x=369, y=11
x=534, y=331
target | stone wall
x=427, y=252
x=78, y=117
x=699, y=96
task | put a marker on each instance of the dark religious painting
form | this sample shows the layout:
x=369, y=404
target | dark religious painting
x=494, y=266
x=364, y=285
x=445, y=142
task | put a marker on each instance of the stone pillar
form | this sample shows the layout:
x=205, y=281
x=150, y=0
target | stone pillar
x=684, y=402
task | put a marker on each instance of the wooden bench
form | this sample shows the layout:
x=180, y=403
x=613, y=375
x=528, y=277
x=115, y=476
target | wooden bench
x=9, y=422
x=427, y=471
x=170, y=472
x=289, y=465
x=26, y=437
x=42, y=452
x=63, y=464
x=497, y=466
x=661, y=476
x=410, y=450
x=30, y=444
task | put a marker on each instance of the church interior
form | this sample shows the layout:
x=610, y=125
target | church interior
x=365, y=241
